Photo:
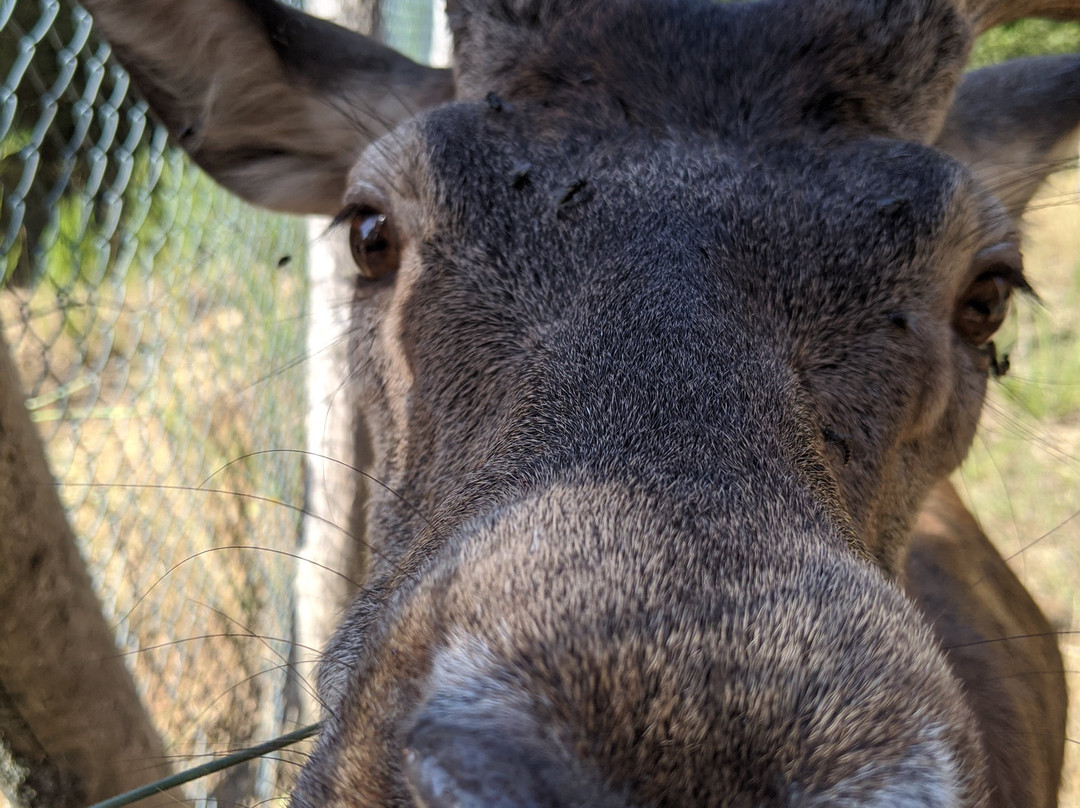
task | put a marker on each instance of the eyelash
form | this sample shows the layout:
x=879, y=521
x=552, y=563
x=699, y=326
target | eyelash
x=342, y=218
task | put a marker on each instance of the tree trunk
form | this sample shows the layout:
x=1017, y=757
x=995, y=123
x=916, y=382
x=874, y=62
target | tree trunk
x=72, y=727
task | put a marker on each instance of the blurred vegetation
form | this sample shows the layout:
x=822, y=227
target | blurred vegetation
x=1025, y=38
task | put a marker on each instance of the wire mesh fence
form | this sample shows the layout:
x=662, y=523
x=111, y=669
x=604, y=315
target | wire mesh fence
x=158, y=326
x=154, y=321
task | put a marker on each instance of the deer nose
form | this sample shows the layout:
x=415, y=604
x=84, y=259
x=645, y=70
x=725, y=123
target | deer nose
x=633, y=644
x=801, y=676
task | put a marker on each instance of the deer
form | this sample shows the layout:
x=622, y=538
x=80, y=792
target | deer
x=670, y=320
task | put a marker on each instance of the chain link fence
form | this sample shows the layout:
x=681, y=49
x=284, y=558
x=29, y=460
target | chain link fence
x=158, y=325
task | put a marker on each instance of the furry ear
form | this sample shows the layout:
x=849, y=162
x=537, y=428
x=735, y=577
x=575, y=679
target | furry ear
x=1015, y=123
x=274, y=103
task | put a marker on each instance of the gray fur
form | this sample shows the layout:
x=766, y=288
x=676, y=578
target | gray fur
x=675, y=353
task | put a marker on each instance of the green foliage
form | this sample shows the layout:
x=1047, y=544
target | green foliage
x=1025, y=38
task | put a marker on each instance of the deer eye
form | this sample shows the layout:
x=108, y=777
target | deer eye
x=374, y=243
x=982, y=308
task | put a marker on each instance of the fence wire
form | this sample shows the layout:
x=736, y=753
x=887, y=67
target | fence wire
x=157, y=323
x=158, y=326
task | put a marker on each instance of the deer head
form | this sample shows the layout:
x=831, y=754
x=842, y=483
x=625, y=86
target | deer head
x=668, y=316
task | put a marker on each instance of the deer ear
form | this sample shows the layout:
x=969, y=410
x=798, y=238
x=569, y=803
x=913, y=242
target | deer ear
x=274, y=103
x=1015, y=123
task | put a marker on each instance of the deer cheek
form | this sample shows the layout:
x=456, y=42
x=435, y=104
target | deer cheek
x=933, y=387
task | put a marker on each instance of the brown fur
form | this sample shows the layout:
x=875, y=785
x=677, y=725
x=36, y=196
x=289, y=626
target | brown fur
x=998, y=643
x=681, y=338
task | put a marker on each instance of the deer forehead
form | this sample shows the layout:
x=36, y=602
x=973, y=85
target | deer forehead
x=515, y=219
x=522, y=183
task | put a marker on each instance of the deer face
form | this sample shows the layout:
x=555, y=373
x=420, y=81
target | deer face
x=621, y=373
x=665, y=328
x=604, y=299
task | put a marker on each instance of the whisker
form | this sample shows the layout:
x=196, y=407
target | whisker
x=414, y=509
